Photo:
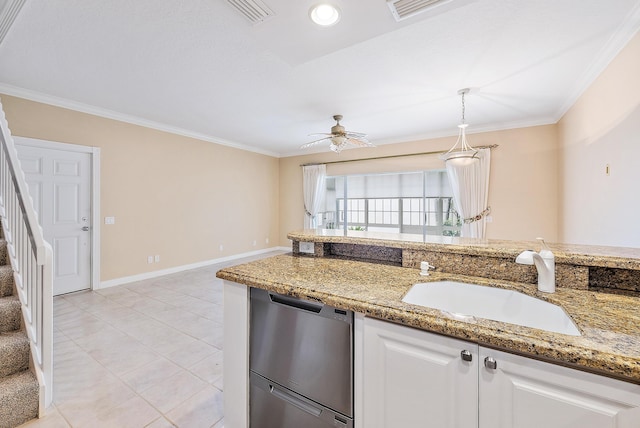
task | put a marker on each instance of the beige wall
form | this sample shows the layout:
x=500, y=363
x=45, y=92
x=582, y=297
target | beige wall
x=174, y=196
x=545, y=181
x=523, y=181
x=603, y=128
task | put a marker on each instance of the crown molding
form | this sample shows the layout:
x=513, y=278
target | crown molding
x=616, y=43
x=121, y=117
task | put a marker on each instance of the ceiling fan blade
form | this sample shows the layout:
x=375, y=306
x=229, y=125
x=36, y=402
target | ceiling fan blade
x=360, y=142
x=358, y=137
x=319, y=134
x=356, y=134
x=313, y=143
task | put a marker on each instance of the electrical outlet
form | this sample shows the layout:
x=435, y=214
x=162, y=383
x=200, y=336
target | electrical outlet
x=150, y=259
x=255, y=242
x=266, y=241
x=109, y=220
x=307, y=247
x=157, y=258
x=221, y=247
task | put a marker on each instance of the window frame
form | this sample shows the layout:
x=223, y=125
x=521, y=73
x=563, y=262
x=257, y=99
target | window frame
x=436, y=214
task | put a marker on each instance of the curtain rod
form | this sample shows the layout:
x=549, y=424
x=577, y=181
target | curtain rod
x=492, y=146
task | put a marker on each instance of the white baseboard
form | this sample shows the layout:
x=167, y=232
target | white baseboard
x=157, y=273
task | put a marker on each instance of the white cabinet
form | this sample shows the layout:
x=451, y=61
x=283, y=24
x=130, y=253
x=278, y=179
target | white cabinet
x=412, y=378
x=525, y=393
x=236, y=356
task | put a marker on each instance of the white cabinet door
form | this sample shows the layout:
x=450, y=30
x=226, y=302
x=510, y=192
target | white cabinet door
x=412, y=378
x=525, y=393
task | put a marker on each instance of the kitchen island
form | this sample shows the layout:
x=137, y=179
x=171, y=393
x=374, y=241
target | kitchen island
x=609, y=323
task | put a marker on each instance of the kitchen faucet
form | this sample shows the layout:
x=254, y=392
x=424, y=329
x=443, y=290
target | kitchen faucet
x=545, y=264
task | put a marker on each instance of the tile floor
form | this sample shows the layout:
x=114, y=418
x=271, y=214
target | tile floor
x=144, y=354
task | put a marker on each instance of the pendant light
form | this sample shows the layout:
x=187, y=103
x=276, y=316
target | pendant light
x=464, y=154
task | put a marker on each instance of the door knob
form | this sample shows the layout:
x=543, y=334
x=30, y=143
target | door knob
x=85, y=228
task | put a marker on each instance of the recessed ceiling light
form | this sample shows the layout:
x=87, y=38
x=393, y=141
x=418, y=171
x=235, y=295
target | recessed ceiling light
x=324, y=14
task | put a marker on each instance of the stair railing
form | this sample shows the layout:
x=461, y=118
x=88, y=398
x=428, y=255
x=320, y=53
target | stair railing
x=32, y=260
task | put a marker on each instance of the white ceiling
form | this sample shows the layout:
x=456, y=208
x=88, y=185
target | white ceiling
x=200, y=68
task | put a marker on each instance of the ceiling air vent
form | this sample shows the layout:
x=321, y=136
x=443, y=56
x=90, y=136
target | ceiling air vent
x=255, y=11
x=8, y=12
x=403, y=9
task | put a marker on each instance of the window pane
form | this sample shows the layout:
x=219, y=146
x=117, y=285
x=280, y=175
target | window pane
x=374, y=201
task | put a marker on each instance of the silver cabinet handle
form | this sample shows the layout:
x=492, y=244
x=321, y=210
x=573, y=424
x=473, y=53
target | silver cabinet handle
x=466, y=355
x=85, y=228
x=490, y=363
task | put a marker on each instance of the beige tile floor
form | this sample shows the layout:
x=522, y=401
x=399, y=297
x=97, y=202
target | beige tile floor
x=144, y=354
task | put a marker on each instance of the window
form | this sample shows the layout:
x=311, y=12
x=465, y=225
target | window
x=413, y=203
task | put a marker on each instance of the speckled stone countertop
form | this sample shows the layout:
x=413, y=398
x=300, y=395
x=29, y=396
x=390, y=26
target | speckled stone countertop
x=610, y=324
x=585, y=255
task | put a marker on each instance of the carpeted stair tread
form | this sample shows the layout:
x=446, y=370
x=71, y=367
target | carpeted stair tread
x=10, y=314
x=19, y=387
x=6, y=280
x=14, y=353
x=3, y=252
x=18, y=399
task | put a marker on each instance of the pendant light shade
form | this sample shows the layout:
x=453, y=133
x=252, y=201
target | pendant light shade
x=461, y=153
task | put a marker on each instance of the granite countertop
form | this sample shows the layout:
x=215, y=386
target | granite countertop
x=610, y=324
x=585, y=255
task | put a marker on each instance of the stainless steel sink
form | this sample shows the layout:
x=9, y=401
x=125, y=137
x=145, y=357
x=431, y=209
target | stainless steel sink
x=464, y=301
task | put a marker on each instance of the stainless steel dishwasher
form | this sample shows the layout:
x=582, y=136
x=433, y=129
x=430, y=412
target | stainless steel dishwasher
x=301, y=363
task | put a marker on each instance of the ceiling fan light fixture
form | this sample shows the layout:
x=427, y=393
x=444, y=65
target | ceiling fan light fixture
x=324, y=14
x=461, y=153
x=339, y=138
x=337, y=143
x=334, y=148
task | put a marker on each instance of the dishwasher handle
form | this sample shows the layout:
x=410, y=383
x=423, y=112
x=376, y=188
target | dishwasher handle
x=296, y=303
x=294, y=401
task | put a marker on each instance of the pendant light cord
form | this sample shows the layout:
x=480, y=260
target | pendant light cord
x=463, y=107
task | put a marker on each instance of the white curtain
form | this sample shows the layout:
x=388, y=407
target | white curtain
x=470, y=186
x=314, y=187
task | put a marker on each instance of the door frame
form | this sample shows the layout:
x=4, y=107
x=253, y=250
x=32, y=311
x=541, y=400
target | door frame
x=94, y=186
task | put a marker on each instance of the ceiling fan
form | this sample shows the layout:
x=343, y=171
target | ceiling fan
x=340, y=137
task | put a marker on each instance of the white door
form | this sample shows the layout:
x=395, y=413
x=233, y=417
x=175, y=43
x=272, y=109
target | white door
x=414, y=379
x=525, y=393
x=60, y=185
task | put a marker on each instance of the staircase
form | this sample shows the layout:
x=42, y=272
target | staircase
x=19, y=387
